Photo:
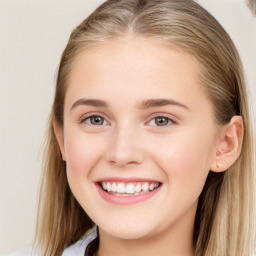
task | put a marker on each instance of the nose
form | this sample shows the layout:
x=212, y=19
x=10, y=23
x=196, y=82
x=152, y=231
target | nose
x=124, y=148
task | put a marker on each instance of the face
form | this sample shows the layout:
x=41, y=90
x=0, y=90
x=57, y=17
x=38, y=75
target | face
x=139, y=136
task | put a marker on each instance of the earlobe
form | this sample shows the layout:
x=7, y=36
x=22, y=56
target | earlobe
x=58, y=130
x=229, y=144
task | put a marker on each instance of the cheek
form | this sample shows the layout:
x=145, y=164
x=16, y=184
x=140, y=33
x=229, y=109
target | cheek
x=82, y=152
x=186, y=159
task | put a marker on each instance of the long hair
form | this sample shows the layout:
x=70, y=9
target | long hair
x=224, y=223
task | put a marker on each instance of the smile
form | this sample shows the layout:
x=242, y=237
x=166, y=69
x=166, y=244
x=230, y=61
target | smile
x=130, y=192
x=125, y=189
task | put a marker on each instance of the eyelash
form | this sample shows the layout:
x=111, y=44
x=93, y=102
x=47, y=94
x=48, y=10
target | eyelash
x=89, y=117
x=169, y=120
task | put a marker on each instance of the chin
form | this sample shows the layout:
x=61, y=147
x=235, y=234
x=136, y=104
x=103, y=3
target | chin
x=128, y=231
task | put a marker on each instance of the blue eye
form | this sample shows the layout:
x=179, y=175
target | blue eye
x=161, y=121
x=95, y=120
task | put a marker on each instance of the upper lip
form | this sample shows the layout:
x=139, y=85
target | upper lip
x=127, y=179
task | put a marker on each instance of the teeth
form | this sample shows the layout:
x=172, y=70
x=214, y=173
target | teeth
x=145, y=187
x=129, y=188
x=114, y=187
x=104, y=185
x=138, y=188
x=109, y=186
x=151, y=186
x=120, y=188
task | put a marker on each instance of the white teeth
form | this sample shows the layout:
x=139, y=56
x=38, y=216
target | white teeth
x=145, y=187
x=104, y=185
x=109, y=186
x=151, y=186
x=138, y=188
x=114, y=187
x=129, y=188
x=120, y=188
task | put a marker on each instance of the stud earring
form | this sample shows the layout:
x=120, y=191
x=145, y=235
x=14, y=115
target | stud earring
x=218, y=165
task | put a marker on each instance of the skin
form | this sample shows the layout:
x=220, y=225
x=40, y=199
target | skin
x=130, y=143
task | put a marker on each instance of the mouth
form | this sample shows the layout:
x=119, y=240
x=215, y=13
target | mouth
x=130, y=192
x=128, y=189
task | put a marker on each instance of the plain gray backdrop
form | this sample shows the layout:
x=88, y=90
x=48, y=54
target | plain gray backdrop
x=33, y=35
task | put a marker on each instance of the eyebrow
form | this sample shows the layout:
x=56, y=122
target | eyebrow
x=146, y=104
x=152, y=103
x=89, y=102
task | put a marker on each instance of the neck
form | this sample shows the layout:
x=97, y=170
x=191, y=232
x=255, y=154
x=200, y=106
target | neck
x=174, y=240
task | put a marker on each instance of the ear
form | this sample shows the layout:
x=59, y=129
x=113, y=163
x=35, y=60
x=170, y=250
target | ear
x=229, y=144
x=58, y=130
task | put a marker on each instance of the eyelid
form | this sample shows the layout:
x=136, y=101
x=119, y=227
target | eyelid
x=172, y=118
x=91, y=114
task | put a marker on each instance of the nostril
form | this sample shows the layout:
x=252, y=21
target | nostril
x=124, y=160
x=119, y=163
x=121, y=156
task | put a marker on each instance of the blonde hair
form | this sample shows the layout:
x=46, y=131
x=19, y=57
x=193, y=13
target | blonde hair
x=224, y=223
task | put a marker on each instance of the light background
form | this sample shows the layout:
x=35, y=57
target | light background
x=33, y=34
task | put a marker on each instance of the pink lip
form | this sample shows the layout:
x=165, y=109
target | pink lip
x=125, y=200
x=126, y=180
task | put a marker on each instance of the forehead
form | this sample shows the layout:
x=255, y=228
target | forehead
x=139, y=51
x=136, y=68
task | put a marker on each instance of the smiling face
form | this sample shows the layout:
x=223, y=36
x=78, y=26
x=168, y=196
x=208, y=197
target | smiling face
x=138, y=124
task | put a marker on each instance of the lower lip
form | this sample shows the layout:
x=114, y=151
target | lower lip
x=124, y=200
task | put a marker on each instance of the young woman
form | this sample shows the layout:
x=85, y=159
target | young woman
x=149, y=149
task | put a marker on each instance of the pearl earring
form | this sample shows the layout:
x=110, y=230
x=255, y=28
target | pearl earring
x=218, y=165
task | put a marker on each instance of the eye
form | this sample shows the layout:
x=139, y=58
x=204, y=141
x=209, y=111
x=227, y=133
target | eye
x=95, y=120
x=161, y=121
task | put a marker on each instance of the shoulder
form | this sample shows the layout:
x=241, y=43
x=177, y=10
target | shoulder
x=76, y=249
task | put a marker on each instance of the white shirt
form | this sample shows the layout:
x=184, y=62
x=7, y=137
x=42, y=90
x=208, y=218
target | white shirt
x=76, y=249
